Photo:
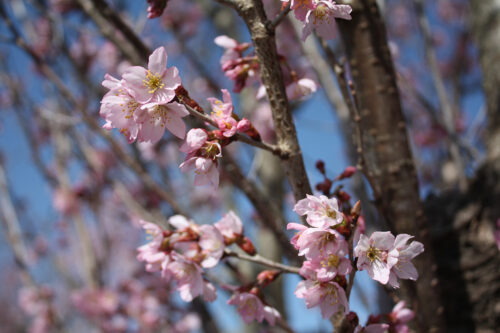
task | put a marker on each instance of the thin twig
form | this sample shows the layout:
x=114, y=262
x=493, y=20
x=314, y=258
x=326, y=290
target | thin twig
x=258, y=259
x=446, y=107
x=279, y=18
x=275, y=150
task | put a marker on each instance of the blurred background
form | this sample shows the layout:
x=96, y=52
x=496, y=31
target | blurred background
x=71, y=194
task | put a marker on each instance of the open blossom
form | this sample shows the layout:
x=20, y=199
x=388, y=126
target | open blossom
x=314, y=242
x=202, y=157
x=320, y=15
x=155, y=118
x=120, y=109
x=212, y=245
x=321, y=211
x=232, y=49
x=155, y=84
x=404, y=269
x=187, y=275
x=140, y=104
x=329, y=296
x=399, y=316
x=328, y=265
x=152, y=253
x=376, y=255
x=251, y=308
x=223, y=114
x=300, y=88
x=230, y=226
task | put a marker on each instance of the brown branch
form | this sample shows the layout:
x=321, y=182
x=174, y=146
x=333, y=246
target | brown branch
x=258, y=259
x=264, y=43
x=239, y=137
x=389, y=161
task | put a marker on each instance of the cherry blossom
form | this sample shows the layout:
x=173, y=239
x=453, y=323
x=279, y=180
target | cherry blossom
x=155, y=84
x=328, y=265
x=404, y=269
x=212, y=245
x=251, y=308
x=321, y=211
x=155, y=118
x=319, y=15
x=376, y=255
x=399, y=316
x=202, y=158
x=329, y=296
x=187, y=275
x=230, y=226
x=300, y=88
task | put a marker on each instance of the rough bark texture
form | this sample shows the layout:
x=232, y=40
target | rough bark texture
x=463, y=225
x=270, y=70
x=388, y=158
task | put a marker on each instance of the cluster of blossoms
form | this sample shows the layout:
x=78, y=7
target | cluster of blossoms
x=133, y=303
x=204, y=148
x=319, y=15
x=324, y=244
x=325, y=251
x=182, y=255
x=243, y=70
x=145, y=102
x=142, y=104
x=394, y=322
x=37, y=303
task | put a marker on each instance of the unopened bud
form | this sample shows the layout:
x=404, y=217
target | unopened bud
x=320, y=165
x=356, y=210
x=246, y=245
x=266, y=277
x=348, y=172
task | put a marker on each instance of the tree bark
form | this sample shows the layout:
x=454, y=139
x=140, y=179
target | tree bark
x=388, y=158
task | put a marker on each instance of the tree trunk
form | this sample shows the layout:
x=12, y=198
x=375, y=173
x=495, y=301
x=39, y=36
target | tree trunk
x=385, y=147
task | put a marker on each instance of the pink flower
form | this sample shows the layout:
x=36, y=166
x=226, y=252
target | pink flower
x=251, y=308
x=296, y=226
x=230, y=226
x=187, y=275
x=314, y=242
x=222, y=114
x=329, y=296
x=212, y=245
x=152, y=253
x=400, y=316
x=377, y=255
x=155, y=118
x=205, y=169
x=232, y=49
x=329, y=265
x=404, y=269
x=321, y=212
x=300, y=89
x=195, y=139
x=322, y=17
x=155, y=84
